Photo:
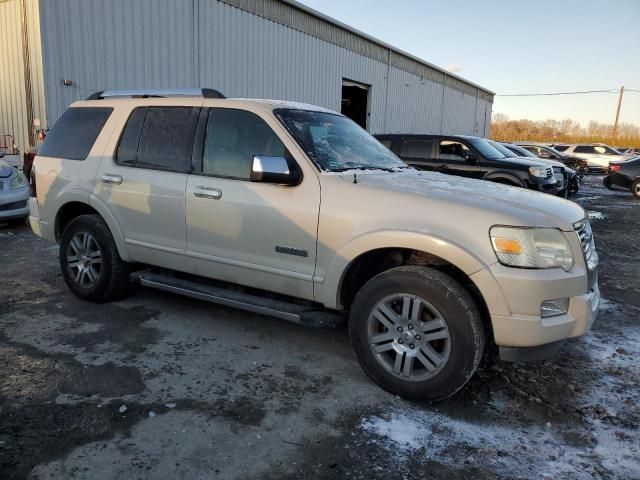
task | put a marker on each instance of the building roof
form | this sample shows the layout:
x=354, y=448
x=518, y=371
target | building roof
x=300, y=17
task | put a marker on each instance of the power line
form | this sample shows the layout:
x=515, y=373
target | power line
x=557, y=93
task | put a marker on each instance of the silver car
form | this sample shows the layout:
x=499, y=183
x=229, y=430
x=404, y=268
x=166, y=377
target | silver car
x=14, y=193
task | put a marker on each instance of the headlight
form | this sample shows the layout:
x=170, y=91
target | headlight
x=531, y=247
x=18, y=181
x=538, y=172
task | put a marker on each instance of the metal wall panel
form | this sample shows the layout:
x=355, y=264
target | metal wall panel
x=415, y=104
x=246, y=50
x=16, y=107
x=458, y=112
x=114, y=44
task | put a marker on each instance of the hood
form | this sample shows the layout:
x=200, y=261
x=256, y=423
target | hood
x=467, y=197
x=524, y=161
x=549, y=161
x=5, y=169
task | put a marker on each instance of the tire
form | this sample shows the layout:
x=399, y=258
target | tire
x=440, y=301
x=635, y=188
x=89, y=260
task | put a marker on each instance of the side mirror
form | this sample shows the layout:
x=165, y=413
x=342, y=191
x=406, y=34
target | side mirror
x=273, y=170
x=471, y=157
x=544, y=154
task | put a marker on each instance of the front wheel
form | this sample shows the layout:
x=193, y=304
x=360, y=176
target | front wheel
x=89, y=260
x=635, y=188
x=417, y=333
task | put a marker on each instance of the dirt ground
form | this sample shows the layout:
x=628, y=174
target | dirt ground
x=161, y=386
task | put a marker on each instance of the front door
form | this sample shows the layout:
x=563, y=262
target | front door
x=459, y=159
x=257, y=234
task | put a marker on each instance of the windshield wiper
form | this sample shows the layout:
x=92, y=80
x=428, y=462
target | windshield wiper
x=362, y=167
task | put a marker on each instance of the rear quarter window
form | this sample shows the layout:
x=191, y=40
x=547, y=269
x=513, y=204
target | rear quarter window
x=75, y=132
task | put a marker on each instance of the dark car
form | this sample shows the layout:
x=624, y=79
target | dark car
x=568, y=180
x=469, y=156
x=579, y=164
x=624, y=175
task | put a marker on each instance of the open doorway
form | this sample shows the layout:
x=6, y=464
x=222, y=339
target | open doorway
x=355, y=101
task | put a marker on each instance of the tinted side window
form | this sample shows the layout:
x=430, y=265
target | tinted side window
x=75, y=132
x=233, y=138
x=416, y=148
x=128, y=146
x=166, y=141
x=584, y=149
x=386, y=142
x=561, y=148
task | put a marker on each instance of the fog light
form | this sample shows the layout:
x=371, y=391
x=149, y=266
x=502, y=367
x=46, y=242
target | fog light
x=551, y=308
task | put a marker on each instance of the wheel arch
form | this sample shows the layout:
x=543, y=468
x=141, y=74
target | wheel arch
x=507, y=178
x=390, y=249
x=74, y=208
x=449, y=259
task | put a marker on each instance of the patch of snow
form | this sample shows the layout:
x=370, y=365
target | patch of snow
x=535, y=451
x=122, y=409
x=528, y=452
x=170, y=405
x=152, y=414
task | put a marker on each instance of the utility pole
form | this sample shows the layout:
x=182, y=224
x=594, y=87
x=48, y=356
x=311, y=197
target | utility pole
x=615, y=125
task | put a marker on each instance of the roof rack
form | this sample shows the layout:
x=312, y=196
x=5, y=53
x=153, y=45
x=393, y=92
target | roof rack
x=157, y=93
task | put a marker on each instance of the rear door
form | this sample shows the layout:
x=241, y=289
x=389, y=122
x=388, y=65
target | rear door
x=143, y=184
x=419, y=153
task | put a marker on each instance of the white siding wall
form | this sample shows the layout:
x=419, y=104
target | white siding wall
x=189, y=43
x=13, y=98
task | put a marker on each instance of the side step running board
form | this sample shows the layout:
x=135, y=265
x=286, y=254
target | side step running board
x=301, y=314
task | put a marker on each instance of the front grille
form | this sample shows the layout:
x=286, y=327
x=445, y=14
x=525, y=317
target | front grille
x=585, y=236
x=13, y=206
x=549, y=173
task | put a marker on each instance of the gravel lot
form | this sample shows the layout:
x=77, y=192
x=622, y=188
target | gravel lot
x=160, y=386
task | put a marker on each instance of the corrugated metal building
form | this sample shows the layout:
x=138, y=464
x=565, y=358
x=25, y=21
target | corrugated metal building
x=56, y=52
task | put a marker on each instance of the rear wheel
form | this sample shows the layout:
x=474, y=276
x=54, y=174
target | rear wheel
x=635, y=188
x=89, y=260
x=417, y=333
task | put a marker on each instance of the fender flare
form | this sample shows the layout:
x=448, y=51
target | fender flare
x=330, y=288
x=101, y=207
x=492, y=177
x=89, y=199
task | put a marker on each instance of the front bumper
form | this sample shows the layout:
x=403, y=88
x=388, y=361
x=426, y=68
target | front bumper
x=513, y=297
x=13, y=203
x=544, y=185
x=531, y=331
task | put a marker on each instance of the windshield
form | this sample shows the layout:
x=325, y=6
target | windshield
x=335, y=143
x=486, y=149
x=503, y=150
x=523, y=152
x=606, y=150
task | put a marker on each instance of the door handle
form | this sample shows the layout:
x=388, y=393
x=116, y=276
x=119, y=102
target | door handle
x=207, y=192
x=111, y=178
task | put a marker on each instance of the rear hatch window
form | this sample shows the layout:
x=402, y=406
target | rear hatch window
x=75, y=132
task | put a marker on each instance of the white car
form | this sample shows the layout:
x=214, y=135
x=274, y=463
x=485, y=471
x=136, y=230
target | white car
x=597, y=155
x=14, y=193
x=321, y=222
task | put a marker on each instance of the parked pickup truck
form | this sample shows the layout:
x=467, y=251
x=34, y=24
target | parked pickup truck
x=472, y=157
x=294, y=211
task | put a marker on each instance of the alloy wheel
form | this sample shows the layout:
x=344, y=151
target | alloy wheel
x=84, y=259
x=409, y=337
